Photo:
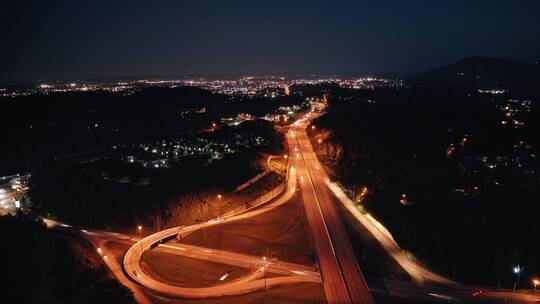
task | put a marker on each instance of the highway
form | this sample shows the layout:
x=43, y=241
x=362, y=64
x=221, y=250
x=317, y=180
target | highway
x=398, y=289
x=296, y=273
x=342, y=278
x=339, y=272
x=290, y=273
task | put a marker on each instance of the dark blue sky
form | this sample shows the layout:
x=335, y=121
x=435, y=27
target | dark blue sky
x=79, y=39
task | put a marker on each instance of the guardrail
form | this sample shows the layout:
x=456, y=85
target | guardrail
x=251, y=181
x=261, y=199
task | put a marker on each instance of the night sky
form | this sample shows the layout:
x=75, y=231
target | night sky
x=49, y=40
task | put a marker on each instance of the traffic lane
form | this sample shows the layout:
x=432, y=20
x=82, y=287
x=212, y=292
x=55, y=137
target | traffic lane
x=356, y=284
x=333, y=283
x=110, y=261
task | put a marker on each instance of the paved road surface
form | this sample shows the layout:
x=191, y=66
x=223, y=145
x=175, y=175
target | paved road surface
x=98, y=240
x=342, y=278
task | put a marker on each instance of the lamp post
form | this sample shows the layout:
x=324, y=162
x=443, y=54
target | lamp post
x=265, y=268
x=205, y=211
x=517, y=270
x=220, y=216
x=140, y=236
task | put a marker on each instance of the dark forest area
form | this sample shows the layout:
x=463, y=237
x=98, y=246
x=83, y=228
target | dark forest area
x=456, y=186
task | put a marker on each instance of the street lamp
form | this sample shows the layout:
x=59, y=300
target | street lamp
x=205, y=211
x=265, y=268
x=535, y=282
x=517, y=270
x=220, y=216
x=140, y=236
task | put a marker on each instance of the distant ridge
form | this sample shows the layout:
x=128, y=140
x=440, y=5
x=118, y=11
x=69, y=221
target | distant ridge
x=481, y=73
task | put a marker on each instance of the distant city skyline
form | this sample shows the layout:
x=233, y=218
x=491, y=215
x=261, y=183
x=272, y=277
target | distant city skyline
x=64, y=40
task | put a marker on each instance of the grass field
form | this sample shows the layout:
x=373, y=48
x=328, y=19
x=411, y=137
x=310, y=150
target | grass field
x=283, y=230
x=307, y=293
x=187, y=272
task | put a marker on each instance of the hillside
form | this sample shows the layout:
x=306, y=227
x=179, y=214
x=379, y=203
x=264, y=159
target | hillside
x=481, y=73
